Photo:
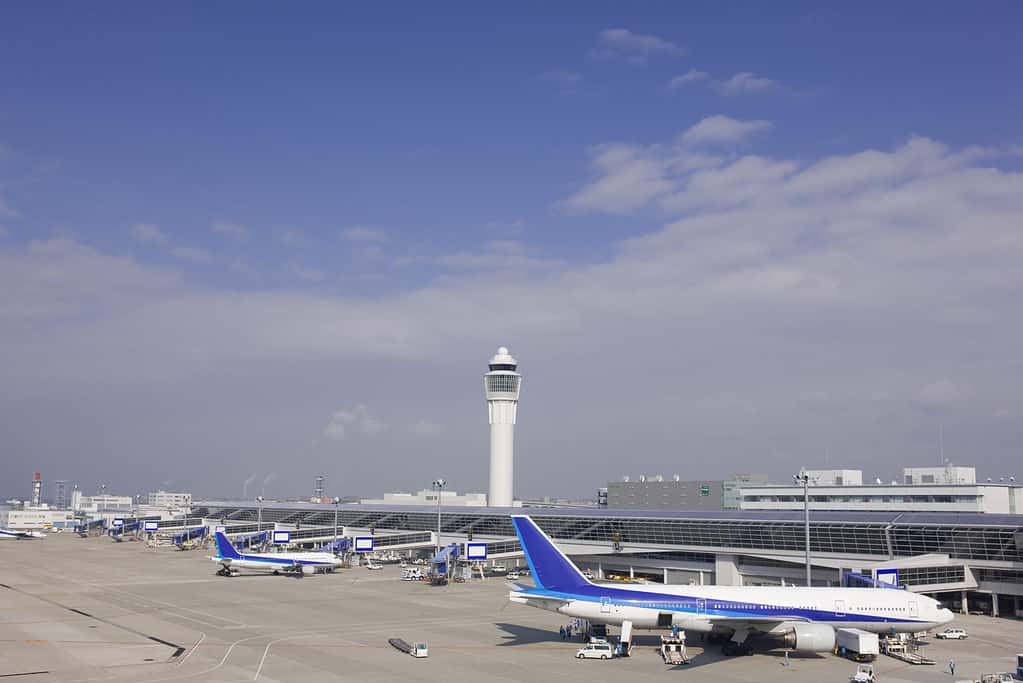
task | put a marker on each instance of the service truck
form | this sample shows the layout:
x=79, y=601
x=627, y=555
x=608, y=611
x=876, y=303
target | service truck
x=856, y=644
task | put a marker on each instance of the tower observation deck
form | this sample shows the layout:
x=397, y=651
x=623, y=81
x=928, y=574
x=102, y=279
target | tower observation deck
x=501, y=385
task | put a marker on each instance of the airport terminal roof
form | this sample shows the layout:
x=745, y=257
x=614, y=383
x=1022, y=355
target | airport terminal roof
x=928, y=518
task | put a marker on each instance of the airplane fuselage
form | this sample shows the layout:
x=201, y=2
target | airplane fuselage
x=698, y=608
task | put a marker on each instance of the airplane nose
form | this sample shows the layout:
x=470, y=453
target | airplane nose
x=945, y=615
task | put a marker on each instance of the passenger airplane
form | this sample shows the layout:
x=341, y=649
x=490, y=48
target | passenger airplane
x=293, y=563
x=10, y=535
x=747, y=618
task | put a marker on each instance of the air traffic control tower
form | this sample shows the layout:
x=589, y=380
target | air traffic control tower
x=502, y=387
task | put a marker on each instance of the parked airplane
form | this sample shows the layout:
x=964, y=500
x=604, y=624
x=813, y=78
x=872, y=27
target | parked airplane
x=745, y=618
x=11, y=535
x=292, y=563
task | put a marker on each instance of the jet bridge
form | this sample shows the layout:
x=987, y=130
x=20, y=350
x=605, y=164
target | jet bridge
x=442, y=560
x=194, y=534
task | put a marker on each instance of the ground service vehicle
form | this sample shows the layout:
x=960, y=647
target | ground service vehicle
x=415, y=649
x=864, y=674
x=595, y=651
x=857, y=644
x=953, y=634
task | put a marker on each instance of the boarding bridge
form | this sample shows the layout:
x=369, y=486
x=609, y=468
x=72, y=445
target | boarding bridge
x=194, y=534
x=179, y=524
x=447, y=556
x=382, y=540
x=234, y=530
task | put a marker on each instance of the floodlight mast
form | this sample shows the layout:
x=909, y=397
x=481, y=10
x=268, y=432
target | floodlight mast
x=804, y=478
x=337, y=501
x=438, y=486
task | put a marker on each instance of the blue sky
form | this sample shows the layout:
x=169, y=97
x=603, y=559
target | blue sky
x=390, y=162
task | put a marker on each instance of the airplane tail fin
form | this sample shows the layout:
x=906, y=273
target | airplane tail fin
x=225, y=548
x=551, y=569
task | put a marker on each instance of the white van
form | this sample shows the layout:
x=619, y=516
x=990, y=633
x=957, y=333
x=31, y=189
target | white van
x=596, y=650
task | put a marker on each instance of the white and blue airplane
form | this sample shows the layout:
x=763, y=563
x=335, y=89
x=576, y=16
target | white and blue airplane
x=744, y=618
x=291, y=563
x=11, y=535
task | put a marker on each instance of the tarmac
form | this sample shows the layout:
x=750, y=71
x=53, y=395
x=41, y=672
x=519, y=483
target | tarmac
x=74, y=609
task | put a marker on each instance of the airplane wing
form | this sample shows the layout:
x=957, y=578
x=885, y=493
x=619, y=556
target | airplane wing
x=525, y=595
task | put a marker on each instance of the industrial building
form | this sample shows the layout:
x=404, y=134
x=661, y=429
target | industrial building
x=429, y=497
x=922, y=489
x=166, y=499
x=970, y=561
x=654, y=492
x=32, y=518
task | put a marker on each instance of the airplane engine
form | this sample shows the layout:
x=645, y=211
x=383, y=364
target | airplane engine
x=308, y=569
x=811, y=638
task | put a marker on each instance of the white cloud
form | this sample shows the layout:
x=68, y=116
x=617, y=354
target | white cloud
x=306, y=273
x=745, y=83
x=292, y=238
x=564, y=79
x=149, y=233
x=721, y=129
x=427, y=428
x=192, y=254
x=634, y=48
x=629, y=177
x=691, y=76
x=942, y=393
x=232, y=230
x=362, y=233
x=358, y=421
x=770, y=277
x=493, y=257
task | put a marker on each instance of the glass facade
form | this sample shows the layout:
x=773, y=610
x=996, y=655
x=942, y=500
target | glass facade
x=960, y=540
x=503, y=383
x=930, y=576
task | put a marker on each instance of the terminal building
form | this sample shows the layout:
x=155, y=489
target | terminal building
x=429, y=497
x=970, y=561
x=921, y=489
x=654, y=492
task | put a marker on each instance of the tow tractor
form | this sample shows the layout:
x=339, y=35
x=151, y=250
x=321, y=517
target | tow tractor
x=415, y=649
x=864, y=674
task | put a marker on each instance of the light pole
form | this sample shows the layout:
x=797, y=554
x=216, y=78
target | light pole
x=259, y=523
x=337, y=501
x=438, y=486
x=804, y=478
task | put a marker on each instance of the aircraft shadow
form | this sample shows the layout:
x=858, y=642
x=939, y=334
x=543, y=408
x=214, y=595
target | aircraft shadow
x=712, y=655
x=527, y=635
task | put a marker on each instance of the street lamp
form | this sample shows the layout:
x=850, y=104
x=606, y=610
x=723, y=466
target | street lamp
x=804, y=478
x=438, y=485
x=337, y=501
x=259, y=524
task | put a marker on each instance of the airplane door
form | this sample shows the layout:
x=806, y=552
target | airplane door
x=605, y=605
x=840, y=608
x=701, y=606
x=913, y=611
